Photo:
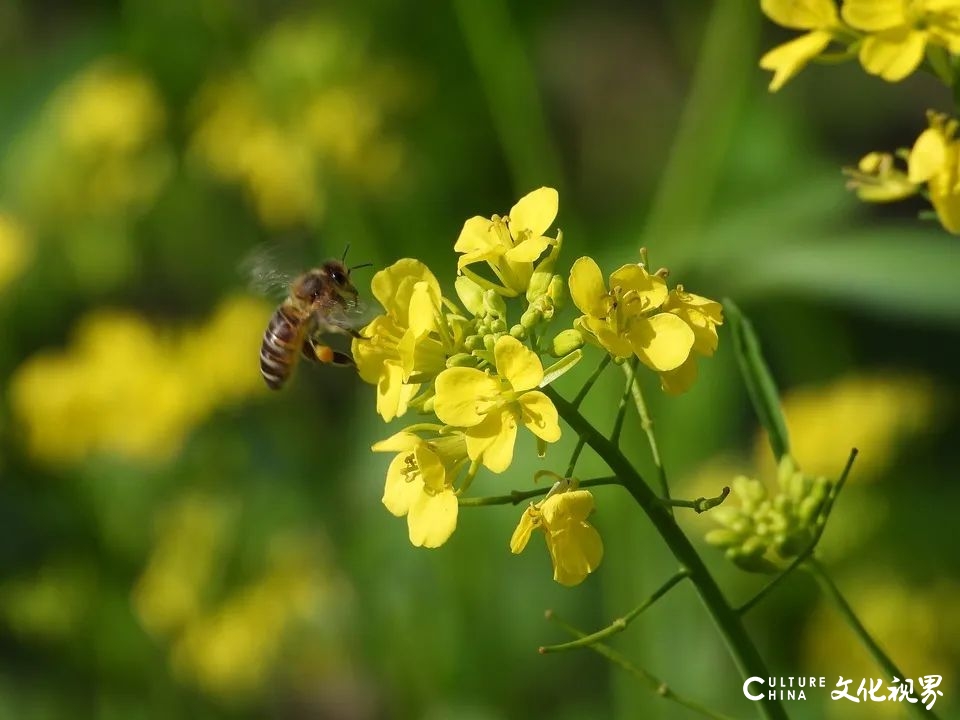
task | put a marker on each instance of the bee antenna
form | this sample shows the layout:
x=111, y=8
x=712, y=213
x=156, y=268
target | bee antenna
x=362, y=265
x=345, y=251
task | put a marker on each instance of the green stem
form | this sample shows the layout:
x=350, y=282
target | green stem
x=843, y=607
x=518, y=496
x=651, y=681
x=741, y=647
x=620, y=624
x=630, y=370
x=572, y=465
x=588, y=385
x=646, y=422
x=701, y=504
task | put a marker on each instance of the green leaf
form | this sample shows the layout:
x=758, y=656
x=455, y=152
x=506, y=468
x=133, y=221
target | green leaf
x=905, y=272
x=760, y=384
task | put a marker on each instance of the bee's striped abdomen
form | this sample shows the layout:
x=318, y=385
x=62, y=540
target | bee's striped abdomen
x=281, y=347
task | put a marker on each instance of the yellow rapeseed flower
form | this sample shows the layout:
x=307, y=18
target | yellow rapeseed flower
x=405, y=340
x=914, y=621
x=874, y=413
x=878, y=179
x=129, y=388
x=703, y=316
x=420, y=484
x=818, y=17
x=305, y=109
x=233, y=649
x=96, y=150
x=935, y=160
x=15, y=249
x=490, y=406
x=510, y=244
x=898, y=32
x=190, y=540
x=574, y=544
x=628, y=318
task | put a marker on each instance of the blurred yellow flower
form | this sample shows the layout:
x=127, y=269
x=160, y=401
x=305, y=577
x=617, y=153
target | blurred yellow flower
x=872, y=413
x=877, y=179
x=229, y=646
x=628, y=319
x=510, y=244
x=239, y=143
x=97, y=149
x=231, y=650
x=15, y=249
x=574, y=544
x=935, y=160
x=50, y=604
x=489, y=406
x=304, y=109
x=420, y=484
x=190, y=539
x=898, y=32
x=818, y=17
x=128, y=388
x=915, y=624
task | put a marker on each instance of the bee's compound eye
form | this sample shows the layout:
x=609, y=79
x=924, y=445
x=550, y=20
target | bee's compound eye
x=338, y=277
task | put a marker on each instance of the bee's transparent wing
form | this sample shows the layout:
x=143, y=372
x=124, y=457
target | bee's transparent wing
x=271, y=267
x=349, y=317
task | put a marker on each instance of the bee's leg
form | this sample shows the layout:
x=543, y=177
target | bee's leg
x=326, y=355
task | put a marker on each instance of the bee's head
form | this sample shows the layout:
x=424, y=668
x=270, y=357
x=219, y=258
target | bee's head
x=331, y=280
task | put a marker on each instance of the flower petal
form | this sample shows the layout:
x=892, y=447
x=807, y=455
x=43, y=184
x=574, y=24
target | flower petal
x=431, y=469
x=540, y=416
x=475, y=235
x=393, y=286
x=790, y=58
x=566, y=508
x=587, y=288
x=944, y=191
x=529, y=521
x=463, y=396
x=392, y=394
x=893, y=54
x=492, y=440
x=517, y=364
x=424, y=308
x=402, y=441
x=874, y=15
x=576, y=552
x=401, y=489
x=650, y=289
x=662, y=342
x=528, y=250
x=535, y=212
x=802, y=15
x=432, y=518
x=928, y=156
x=681, y=379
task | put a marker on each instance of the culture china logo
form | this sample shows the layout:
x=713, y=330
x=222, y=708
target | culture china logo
x=869, y=689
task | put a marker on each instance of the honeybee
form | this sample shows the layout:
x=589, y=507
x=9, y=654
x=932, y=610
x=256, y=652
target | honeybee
x=321, y=300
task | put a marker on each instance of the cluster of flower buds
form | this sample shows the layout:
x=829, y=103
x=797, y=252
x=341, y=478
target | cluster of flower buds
x=766, y=528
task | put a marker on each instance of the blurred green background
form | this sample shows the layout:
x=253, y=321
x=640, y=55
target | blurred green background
x=175, y=541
